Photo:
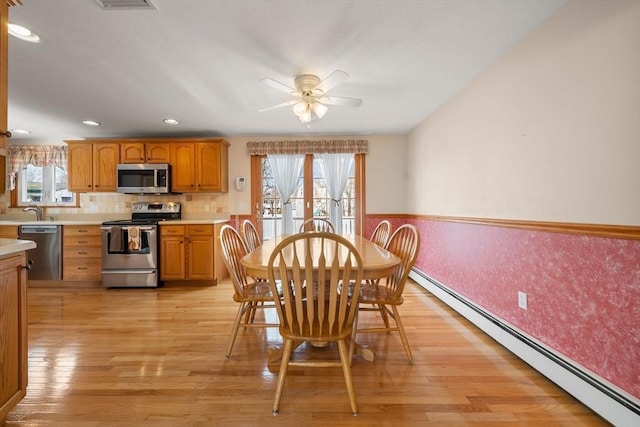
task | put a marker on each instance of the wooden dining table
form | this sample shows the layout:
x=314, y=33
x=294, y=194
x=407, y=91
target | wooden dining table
x=377, y=263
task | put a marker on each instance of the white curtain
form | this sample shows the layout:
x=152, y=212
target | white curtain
x=286, y=170
x=335, y=169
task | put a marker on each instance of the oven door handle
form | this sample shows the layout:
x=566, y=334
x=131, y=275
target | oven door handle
x=143, y=228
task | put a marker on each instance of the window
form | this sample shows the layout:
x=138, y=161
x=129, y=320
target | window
x=43, y=186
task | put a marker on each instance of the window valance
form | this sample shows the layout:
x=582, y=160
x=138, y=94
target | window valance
x=38, y=155
x=334, y=146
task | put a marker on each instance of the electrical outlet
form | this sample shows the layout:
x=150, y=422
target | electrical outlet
x=206, y=208
x=94, y=209
x=522, y=300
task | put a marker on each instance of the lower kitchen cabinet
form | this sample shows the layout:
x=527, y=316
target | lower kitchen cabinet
x=187, y=252
x=13, y=332
x=9, y=231
x=81, y=253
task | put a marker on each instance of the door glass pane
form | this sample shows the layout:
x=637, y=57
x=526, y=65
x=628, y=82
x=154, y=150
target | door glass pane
x=321, y=199
x=271, y=204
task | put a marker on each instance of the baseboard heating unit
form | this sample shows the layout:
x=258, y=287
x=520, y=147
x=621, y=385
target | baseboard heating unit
x=605, y=399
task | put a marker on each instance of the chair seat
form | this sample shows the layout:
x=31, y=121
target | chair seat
x=378, y=294
x=257, y=291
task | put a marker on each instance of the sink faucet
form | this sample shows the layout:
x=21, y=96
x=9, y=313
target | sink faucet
x=36, y=209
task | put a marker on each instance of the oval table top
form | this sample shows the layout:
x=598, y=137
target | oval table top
x=377, y=262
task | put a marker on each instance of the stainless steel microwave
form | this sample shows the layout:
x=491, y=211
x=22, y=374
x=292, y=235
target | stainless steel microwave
x=144, y=178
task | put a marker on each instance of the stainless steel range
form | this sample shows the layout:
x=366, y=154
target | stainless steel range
x=131, y=247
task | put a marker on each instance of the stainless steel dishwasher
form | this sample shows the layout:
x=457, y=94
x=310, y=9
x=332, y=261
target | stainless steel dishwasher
x=46, y=259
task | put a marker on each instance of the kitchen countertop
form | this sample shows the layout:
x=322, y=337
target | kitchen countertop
x=62, y=222
x=98, y=222
x=12, y=246
x=194, y=221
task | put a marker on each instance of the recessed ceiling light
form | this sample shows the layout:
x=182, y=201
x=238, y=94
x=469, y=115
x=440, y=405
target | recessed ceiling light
x=171, y=121
x=22, y=131
x=23, y=33
x=91, y=123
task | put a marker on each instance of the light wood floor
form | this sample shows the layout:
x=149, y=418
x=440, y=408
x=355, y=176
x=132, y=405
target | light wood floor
x=136, y=357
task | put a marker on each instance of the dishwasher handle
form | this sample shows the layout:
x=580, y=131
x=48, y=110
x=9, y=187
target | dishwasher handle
x=38, y=229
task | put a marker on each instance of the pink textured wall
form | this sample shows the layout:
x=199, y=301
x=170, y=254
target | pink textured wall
x=583, y=292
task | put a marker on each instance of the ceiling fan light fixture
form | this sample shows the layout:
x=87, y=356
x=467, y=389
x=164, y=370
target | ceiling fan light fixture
x=303, y=110
x=299, y=108
x=310, y=101
x=320, y=109
x=306, y=116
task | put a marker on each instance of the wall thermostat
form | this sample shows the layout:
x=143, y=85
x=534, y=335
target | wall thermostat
x=240, y=183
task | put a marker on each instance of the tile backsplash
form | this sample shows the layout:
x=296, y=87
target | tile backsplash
x=194, y=205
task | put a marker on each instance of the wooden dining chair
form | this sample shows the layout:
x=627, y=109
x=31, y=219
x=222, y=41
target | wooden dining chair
x=317, y=224
x=252, y=295
x=312, y=268
x=385, y=295
x=381, y=233
x=250, y=235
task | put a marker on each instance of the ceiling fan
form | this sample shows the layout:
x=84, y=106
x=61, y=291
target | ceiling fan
x=310, y=95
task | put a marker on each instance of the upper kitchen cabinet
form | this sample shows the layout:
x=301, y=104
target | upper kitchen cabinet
x=145, y=152
x=92, y=166
x=200, y=165
x=4, y=82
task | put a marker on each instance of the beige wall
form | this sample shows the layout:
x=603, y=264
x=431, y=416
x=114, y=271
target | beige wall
x=385, y=166
x=551, y=132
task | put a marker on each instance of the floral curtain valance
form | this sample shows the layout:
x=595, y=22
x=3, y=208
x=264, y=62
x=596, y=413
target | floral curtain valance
x=355, y=146
x=38, y=155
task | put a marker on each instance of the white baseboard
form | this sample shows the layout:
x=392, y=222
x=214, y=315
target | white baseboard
x=611, y=403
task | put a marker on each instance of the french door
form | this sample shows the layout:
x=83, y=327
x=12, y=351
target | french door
x=311, y=199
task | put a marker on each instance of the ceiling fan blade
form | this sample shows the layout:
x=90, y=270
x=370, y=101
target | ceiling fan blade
x=280, y=105
x=277, y=85
x=339, y=100
x=332, y=80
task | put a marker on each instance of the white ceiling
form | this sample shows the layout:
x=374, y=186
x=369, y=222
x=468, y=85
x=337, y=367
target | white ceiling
x=201, y=61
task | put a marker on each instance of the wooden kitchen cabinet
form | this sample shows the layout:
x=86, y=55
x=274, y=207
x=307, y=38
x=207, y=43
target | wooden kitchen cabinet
x=219, y=269
x=187, y=252
x=200, y=252
x=145, y=152
x=92, y=166
x=9, y=231
x=200, y=166
x=172, y=254
x=13, y=331
x=81, y=253
x=4, y=72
